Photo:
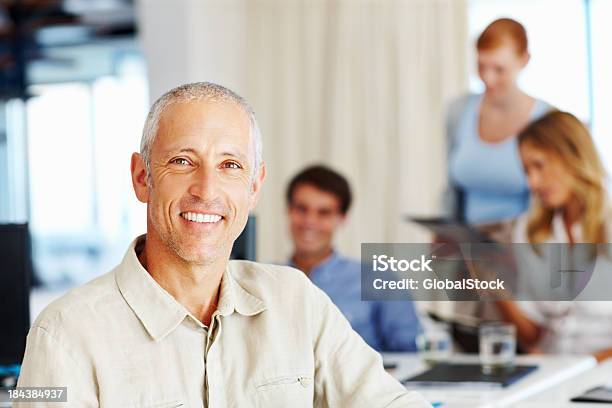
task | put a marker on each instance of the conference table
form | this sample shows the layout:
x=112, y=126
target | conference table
x=560, y=395
x=553, y=384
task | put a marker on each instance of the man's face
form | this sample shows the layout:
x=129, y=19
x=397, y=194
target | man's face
x=314, y=217
x=201, y=186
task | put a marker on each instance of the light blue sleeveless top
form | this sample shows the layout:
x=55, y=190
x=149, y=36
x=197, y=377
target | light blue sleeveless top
x=490, y=174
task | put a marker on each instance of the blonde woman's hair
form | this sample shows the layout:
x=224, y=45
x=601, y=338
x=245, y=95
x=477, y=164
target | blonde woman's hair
x=565, y=136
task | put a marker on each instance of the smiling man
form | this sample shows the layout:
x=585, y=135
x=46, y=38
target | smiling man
x=176, y=323
x=318, y=200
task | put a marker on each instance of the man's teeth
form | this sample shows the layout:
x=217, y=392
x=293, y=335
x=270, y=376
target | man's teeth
x=198, y=217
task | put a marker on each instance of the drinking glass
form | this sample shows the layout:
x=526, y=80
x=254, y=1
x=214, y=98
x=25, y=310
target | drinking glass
x=497, y=346
x=434, y=344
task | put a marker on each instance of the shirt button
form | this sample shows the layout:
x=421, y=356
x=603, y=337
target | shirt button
x=304, y=381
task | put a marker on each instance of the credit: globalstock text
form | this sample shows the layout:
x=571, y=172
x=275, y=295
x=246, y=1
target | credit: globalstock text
x=438, y=284
x=385, y=263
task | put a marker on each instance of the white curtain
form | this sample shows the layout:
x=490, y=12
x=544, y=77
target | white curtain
x=360, y=85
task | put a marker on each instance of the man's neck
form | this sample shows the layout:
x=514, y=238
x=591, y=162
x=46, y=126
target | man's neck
x=196, y=287
x=306, y=262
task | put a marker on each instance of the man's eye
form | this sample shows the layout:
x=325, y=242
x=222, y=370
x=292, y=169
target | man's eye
x=180, y=161
x=231, y=165
x=300, y=208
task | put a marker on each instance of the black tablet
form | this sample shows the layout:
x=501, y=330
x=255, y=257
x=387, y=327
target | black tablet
x=451, y=229
x=470, y=375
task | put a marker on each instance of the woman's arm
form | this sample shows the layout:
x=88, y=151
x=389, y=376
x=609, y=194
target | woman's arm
x=603, y=355
x=452, y=197
x=528, y=332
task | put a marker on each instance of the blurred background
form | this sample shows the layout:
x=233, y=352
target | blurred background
x=360, y=85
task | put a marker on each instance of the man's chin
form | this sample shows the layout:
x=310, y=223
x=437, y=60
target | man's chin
x=311, y=251
x=199, y=255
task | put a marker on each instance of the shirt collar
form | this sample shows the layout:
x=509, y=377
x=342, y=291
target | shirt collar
x=325, y=265
x=159, y=312
x=559, y=233
x=234, y=297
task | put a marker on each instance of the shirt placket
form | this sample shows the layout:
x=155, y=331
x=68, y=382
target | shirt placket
x=213, y=387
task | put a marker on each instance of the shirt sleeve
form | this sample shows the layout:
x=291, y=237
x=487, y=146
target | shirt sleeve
x=398, y=324
x=348, y=373
x=47, y=363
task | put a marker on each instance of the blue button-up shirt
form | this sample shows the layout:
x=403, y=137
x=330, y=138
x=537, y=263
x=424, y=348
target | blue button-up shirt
x=385, y=326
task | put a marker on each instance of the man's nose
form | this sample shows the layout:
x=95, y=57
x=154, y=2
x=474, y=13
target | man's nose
x=204, y=183
x=310, y=218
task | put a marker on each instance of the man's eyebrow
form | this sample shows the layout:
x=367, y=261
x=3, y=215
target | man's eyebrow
x=236, y=155
x=172, y=152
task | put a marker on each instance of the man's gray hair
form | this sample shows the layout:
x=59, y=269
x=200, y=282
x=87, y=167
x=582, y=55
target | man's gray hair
x=197, y=91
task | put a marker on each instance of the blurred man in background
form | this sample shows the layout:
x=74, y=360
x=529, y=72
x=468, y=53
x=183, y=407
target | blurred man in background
x=318, y=200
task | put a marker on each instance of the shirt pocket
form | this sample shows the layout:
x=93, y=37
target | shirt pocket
x=287, y=390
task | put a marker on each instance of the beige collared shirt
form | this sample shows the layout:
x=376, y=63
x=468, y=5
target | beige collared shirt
x=274, y=341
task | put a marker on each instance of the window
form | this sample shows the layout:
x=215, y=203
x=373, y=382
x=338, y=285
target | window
x=558, y=70
x=601, y=32
x=571, y=60
x=81, y=135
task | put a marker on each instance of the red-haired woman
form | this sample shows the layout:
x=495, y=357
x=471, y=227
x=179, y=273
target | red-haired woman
x=486, y=179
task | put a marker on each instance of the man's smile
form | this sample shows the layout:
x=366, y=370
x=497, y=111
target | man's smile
x=201, y=217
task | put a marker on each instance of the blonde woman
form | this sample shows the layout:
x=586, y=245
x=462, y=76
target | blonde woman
x=569, y=205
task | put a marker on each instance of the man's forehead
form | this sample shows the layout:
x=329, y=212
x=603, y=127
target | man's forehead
x=308, y=193
x=187, y=124
x=205, y=111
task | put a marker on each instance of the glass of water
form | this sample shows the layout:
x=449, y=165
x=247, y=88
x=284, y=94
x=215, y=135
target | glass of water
x=497, y=346
x=434, y=344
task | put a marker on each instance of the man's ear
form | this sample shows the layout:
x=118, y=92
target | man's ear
x=139, y=178
x=256, y=186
